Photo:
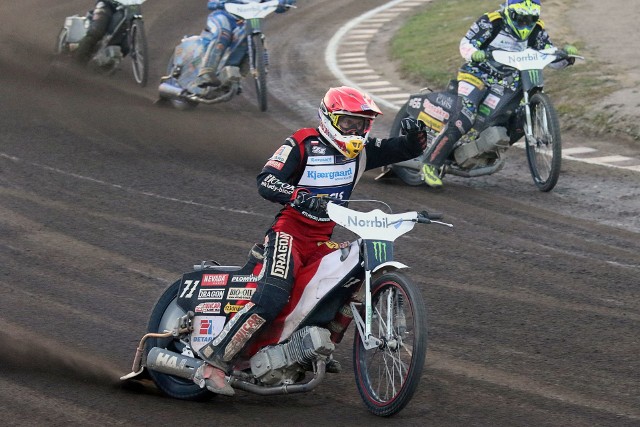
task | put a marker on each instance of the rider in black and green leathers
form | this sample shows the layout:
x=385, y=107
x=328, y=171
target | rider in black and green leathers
x=515, y=27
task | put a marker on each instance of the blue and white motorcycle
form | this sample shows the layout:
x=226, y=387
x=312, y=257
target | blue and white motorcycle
x=247, y=54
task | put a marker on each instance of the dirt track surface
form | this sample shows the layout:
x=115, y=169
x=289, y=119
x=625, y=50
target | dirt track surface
x=105, y=199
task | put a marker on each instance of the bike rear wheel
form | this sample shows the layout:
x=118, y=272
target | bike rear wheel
x=544, y=149
x=61, y=42
x=387, y=376
x=165, y=312
x=260, y=71
x=139, y=52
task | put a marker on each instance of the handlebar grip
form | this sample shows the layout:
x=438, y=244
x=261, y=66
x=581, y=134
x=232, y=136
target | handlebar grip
x=424, y=215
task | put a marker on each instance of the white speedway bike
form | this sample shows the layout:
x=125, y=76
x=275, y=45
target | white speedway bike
x=358, y=281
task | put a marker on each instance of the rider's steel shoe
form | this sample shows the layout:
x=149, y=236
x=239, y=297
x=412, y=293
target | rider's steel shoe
x=214, y=379
x=333, y=367
x=430, y=176
x=207, y=77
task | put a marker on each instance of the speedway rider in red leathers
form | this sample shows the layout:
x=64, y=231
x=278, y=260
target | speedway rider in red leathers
x=327, y=161
x=515, y=27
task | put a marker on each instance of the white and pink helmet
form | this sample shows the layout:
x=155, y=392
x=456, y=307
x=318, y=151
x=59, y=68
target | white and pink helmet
x=346, y=117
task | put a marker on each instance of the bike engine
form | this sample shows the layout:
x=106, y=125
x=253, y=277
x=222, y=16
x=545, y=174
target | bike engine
x=283, y=363
x=483, y=151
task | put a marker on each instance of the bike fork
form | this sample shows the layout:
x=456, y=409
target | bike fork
x=364, y=325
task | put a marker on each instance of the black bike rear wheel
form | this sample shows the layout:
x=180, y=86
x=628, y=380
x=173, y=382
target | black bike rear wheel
x=387, y=376
x=165, y=312
x=139, y=52
x=61, y=42
x=544, y=149
x=260, y=72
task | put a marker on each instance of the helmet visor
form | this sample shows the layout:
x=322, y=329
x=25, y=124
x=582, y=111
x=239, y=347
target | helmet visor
x=351, y=125
x=521, y=20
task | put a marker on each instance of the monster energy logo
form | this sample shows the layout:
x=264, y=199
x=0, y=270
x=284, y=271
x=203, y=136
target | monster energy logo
x=380, y=251
x=255, y=23
x=534, y=76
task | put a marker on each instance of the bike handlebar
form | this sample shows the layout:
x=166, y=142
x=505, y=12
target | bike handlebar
x=425, y=217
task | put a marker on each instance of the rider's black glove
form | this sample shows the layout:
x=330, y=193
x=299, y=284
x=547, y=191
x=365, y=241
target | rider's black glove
x=309, y=202
x=415, y=130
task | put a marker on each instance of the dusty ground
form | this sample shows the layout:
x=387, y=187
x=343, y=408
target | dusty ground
x=606, y=32
x=105, y=199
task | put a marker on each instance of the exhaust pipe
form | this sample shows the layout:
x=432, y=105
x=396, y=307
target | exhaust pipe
x=169, y=91
x=171, y=363
x=282, y=389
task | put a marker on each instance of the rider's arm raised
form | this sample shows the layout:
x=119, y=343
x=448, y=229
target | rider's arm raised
x=380, y=152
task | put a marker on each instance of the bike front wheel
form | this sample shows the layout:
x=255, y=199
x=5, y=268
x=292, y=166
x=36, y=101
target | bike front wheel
x=387, y=376
x=139, y=52
x=260, y=70
x=544, y=147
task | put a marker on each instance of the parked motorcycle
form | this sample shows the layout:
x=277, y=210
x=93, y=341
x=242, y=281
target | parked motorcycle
x=125, y=37
x=504, y=117
x=247, y=54
x=359, y=280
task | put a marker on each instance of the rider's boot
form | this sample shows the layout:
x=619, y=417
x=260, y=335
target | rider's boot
x=438, y=153
x=431, y=176
x=85, y=49
x=220, y=352
x=333, y=366
x=214, y=379
x=207, y=77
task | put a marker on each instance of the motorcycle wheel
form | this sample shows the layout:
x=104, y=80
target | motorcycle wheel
x=139, y=52
x=387, y=376
x=61, y=42
x=544, y=149
x=260, y=72
x=408, y=176
x=164, y=313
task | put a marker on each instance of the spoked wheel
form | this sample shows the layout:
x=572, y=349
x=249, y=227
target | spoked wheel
x=164, y=314
x=61, y=42
x=387, y=376
x=139, y=52
x=260, y=72
x=544, y=149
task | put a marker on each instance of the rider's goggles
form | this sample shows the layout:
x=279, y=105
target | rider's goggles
x=351, y=125
x=522, y=20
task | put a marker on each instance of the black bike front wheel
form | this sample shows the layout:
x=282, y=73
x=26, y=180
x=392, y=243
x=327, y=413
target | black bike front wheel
x=260, y=70
x=387, y=376
x=164, y=314
x=544, y=147
x=139, y=52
